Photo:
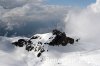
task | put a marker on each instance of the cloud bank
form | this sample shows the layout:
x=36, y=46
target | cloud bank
x=17, y=3
x=85, y=23
x=25, y=17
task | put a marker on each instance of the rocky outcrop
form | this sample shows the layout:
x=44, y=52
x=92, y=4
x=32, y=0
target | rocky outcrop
x=59, y=39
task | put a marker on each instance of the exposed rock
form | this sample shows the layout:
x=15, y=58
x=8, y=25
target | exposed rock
x=34, y=37
x=59, y=39
x=20, y=42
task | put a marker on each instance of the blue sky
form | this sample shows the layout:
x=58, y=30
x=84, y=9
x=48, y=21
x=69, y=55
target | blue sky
x=79, y=3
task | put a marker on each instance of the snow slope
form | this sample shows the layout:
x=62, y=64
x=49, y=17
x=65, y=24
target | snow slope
x=78, y=54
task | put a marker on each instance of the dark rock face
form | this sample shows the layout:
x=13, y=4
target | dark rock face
x=20, y=42
x=29, y=47
x=56, y=32
x=41, y=51
x=23, y=42
x=59, y=39
x=34, y=37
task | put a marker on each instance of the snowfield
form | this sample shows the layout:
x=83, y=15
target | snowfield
x=78, y=54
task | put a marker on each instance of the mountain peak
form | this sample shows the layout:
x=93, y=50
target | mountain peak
x=38, y=42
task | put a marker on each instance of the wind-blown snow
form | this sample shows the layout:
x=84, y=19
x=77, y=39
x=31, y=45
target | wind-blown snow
x=81, y=23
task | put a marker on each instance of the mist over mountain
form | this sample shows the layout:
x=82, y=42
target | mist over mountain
x=25, y=18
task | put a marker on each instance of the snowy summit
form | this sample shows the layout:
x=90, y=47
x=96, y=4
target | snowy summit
x=38, y=42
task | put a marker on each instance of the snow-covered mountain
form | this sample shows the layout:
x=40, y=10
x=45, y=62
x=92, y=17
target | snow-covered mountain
x=77, y=54
x=39, y=43
x=83, y=24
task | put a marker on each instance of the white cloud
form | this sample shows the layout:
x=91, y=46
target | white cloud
x=84, y=23
x=17, y=3
x=96, y=6
x=31, y=13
